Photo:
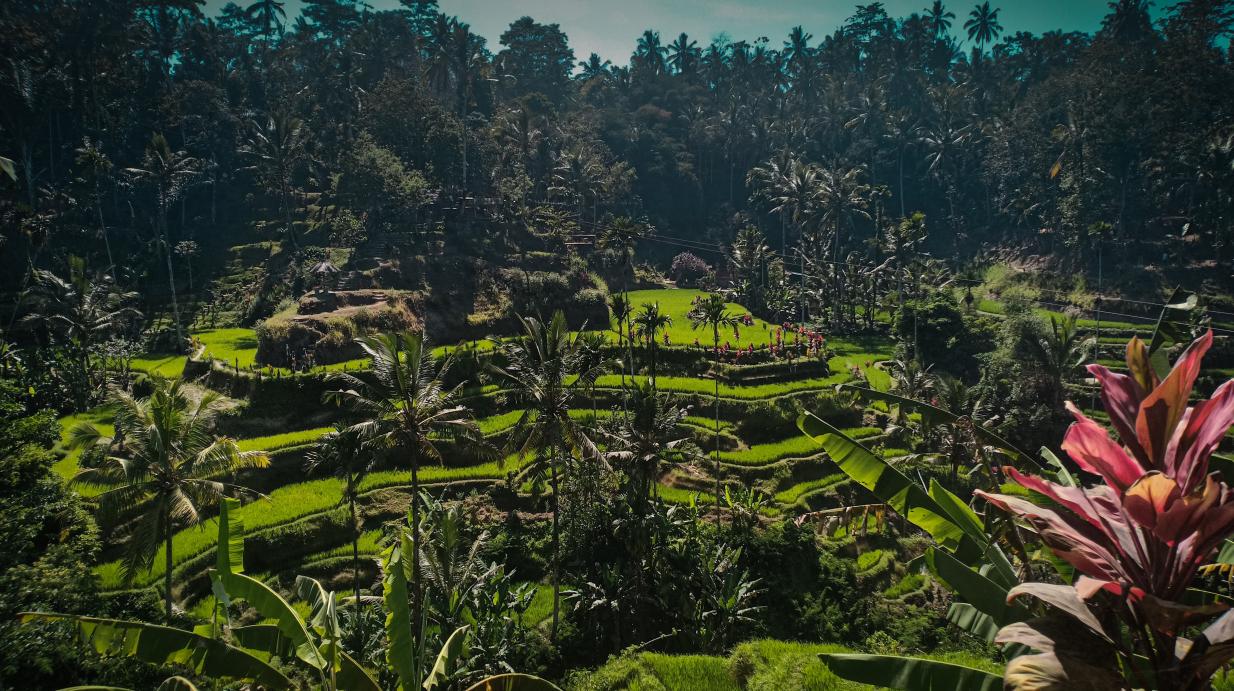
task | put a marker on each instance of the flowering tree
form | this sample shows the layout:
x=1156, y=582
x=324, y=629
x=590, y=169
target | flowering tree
x=1136, y=541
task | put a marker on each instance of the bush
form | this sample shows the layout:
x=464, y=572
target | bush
x=688, y=269
x=590, y=307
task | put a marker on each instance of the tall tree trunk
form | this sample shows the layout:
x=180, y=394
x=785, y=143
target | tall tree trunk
x=355, y=564
x=168, y=563
x=417, y=595
x=171, y=272
x=98, y=208
x=716, y=375
x=903, y=213
x=556, y=549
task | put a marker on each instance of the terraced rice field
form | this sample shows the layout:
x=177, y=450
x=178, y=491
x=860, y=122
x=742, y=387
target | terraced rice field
x=317, y=497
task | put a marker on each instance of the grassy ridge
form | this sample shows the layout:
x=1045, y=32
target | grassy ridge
x=799, y=446
x=765, y=664
x=288, y=504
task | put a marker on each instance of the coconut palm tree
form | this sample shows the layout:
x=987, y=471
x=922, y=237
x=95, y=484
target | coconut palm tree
x=623, y=235
x=164, y=467
x=343, y=453
x=266, y=14
x=648, y=437
x=593, y=344
x=684, y=54
x=789, y=189
x=593, y=67
x=407, y=407
x=620, y=308
x=712, y=313
x=1060, y=352
x=751, y=260
x=541, y=371
x=648, y=323
x=169, y=172
x=983, y=25
x=276, y=148
x=938, y=18
x=650, y=53
x=97, y=167
x=839, y=199
x=82, y=312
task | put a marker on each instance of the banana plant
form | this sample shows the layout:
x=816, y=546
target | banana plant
x=164, y=645
x=408, y=657
x=965, y=558
x=242, y=653
x=317, y=645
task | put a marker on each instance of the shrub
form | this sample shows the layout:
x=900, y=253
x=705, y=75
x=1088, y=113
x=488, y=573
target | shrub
x=688, y=269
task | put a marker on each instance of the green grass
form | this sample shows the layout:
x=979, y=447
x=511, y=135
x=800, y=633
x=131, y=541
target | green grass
x=166, y=366
x=541, y=607
x=796, y=492
x=680, y=495
x=230, y=345
x=756, y=392
x=290, y=503
x=767, y=665
x=869, y=560
x=911, y=583
x=676, y=303
x=284, y=440
x=799, y=446
x=66, y=467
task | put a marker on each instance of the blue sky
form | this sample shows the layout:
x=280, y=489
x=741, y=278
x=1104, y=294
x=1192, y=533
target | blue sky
x=610, y=27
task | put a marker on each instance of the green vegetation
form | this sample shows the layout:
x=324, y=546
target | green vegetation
x=360, y=350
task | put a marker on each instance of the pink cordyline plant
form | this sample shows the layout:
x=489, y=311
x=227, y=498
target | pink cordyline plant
x=1137, y=541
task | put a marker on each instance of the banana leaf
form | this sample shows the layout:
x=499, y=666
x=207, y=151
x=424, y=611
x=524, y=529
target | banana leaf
x=401, y=649
x=904, y=496
x=450, y=652
x=164, y=645
x=261, y=597
x=514, y=682
x=985, y=595
x=230, y=553
x=1171, y=328
x=935, y=414
x=910, y=673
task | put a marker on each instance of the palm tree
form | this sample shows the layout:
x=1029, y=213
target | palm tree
x=983, y=25
x=163, y=468
x=839, y=199
x=81, y=311
x=276, y=149
x=623, y=235
x=592, y=344
x=644, y=440
x=97, y=167
x=1060, y=352
x=620, y=307
x=343, y=453
x=712, y=312
x=407, y=407
x=450, y=557
x=944, y=141
x=751, y=259
x=169, y=172
x=938, y=18
x=649, y=322
x=684, y=54
x=649, y=53
x=594, y=66
x=266, y=14
x=797, y=49
x=539, y=370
